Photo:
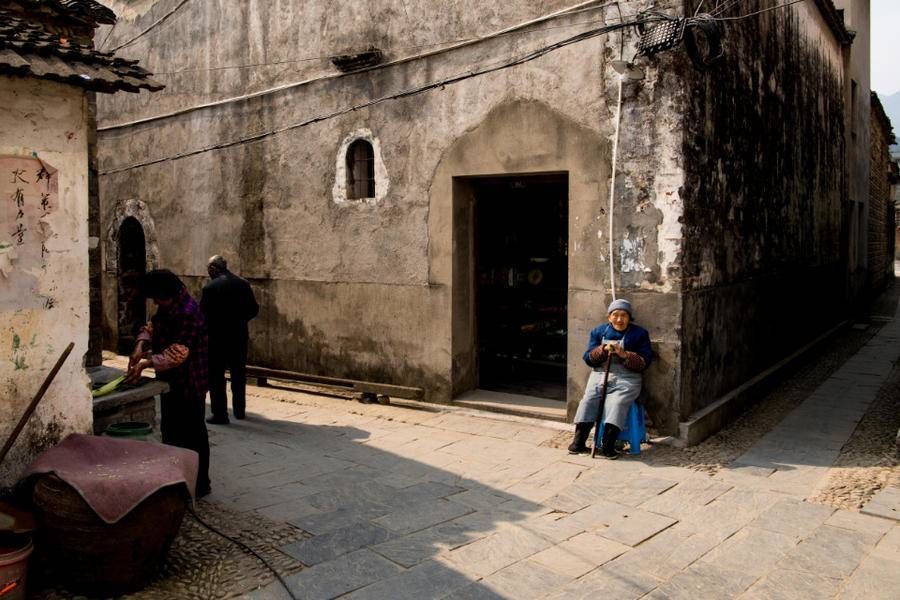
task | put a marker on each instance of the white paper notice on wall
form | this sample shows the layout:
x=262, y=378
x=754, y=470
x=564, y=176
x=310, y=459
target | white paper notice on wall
x=29, y=191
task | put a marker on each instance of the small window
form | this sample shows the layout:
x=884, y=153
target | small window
x=360, y=170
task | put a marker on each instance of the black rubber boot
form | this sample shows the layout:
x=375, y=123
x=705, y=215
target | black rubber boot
x=582, y=431
x=608, y=443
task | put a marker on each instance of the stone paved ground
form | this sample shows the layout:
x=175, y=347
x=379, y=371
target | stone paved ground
x=403, y=503
x=387, y=502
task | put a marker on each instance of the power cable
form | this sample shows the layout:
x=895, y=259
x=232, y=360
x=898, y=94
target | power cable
x=245, y=548
x=152, y=26
x=592, y=4
x=612, y=183
x=703, y=40
x=287, y=62
x=327, y=57
x=183, y=2
x=720, y=8
x=758, y=12
x=530, y=56
x=108, y=33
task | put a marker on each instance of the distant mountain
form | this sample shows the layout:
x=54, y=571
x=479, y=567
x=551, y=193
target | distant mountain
x=891, y=106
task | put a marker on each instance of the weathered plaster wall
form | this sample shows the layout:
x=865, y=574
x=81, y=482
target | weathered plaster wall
x=369, y=289
x=763, y=268
x=46, y=308
x=895, y=201
x=857, y=66
x=881, y=208
x=220, y=48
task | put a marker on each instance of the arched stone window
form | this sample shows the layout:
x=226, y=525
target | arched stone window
x=360, y=177
x=360, y=170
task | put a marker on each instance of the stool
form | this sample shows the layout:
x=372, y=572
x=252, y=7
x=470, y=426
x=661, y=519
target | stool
x=635, y=430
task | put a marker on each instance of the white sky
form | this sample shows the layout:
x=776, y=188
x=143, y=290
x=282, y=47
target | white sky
x=885, y=46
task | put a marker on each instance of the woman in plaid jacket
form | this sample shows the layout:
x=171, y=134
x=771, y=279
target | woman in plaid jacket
x=175, y=345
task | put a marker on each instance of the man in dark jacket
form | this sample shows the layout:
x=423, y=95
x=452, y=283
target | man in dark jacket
x=228, y=304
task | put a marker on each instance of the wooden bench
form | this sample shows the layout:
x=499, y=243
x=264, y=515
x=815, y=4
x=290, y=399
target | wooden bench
x=364, y=391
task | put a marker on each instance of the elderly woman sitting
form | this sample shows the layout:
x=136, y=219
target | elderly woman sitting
x=627, y=346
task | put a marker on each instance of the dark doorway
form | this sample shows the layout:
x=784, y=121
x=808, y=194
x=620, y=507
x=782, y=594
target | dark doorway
x=521, y=282
x=132, y=266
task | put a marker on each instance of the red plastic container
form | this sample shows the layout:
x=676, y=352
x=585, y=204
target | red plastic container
x=14, y=553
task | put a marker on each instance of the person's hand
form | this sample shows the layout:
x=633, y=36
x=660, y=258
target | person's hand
x=617, y=349
x=134, y=371
x=136, y=355
x=176, y=353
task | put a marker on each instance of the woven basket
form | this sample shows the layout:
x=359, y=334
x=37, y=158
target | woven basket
x=98, y=558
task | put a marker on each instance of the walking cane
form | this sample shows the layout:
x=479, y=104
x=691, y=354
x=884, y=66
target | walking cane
x=600, y=409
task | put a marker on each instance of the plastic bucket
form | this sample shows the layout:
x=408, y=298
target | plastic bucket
x=134, y=430
x=14, y=553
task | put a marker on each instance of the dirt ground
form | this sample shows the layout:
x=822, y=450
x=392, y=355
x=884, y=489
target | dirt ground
x=870, y=460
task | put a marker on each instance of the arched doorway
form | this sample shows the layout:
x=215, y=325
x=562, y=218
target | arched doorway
x=132, y=266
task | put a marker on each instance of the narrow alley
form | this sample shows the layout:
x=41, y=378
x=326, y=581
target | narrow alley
x=460, y=300
x=371, y=501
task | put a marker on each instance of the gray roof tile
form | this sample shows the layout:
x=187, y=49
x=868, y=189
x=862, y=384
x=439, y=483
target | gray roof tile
x=26, y=48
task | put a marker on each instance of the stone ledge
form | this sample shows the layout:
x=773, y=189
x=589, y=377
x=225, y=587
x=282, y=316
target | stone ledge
x=132, y=404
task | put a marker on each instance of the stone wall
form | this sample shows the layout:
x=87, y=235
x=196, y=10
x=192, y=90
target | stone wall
x=895, y=200
x=881, y=208
x=857, y=85
x=764, y=257
x=219, y=49
x=44, y=301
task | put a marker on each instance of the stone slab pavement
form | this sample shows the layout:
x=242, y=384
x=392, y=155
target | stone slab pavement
x=794, y=457
x=405, y=503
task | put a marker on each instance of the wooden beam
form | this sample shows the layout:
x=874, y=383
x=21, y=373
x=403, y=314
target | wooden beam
x=362, y=387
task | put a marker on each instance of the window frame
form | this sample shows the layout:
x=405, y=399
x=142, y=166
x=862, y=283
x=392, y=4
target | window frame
x=360, y=164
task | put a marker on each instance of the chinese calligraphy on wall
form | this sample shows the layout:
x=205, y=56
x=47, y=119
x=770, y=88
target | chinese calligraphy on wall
x=29, y=191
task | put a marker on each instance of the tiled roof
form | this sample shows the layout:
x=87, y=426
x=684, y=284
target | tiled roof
x=835, y=20
x=88, y=10
x=26, y=48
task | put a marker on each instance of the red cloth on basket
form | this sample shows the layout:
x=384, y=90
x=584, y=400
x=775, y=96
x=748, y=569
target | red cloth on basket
x=114, y=476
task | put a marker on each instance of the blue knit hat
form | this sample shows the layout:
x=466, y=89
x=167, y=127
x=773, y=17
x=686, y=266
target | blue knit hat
x=620, y=304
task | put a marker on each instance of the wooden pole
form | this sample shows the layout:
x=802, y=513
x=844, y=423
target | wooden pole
x=597, y=433
x=34, y=402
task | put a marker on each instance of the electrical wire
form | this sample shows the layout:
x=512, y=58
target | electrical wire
x=152, y=26
x=621, y=33
x=245, y=548
x=530, y=56
x=721, y=8
x=183, y=2
x=612, y=187
x=108, y=33
x=287, y=62
x=565, y=11
x=328, y=57
x=592, y=4
x=758, y=12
